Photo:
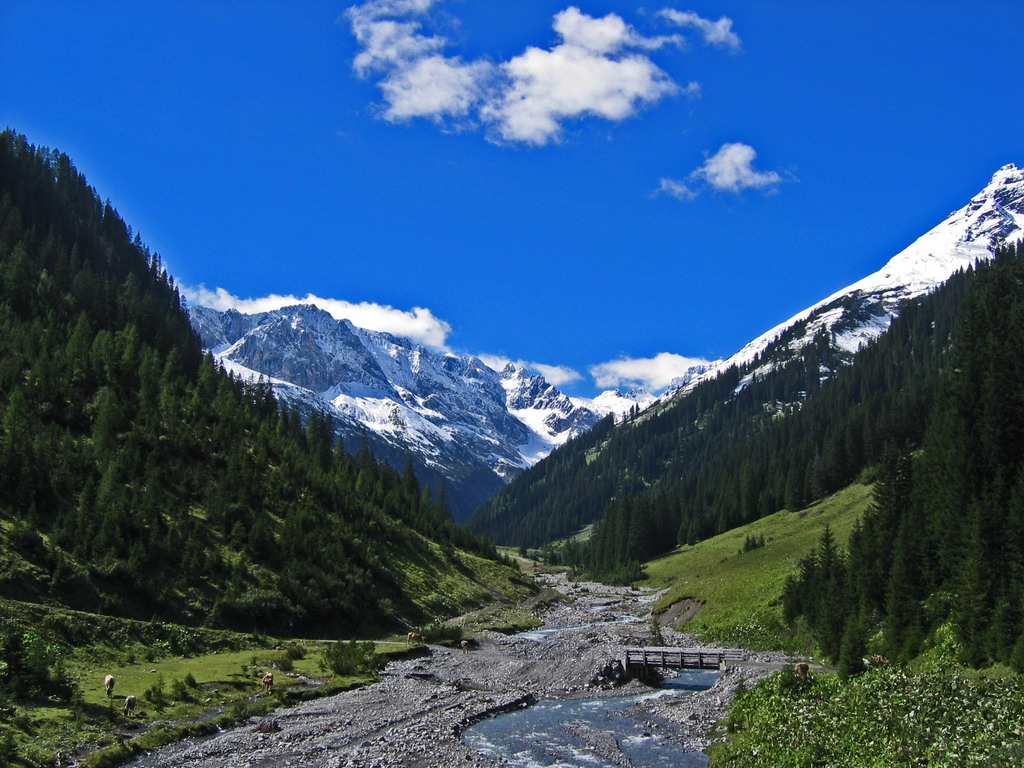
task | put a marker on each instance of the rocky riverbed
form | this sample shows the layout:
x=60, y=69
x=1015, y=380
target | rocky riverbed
x=414, y=715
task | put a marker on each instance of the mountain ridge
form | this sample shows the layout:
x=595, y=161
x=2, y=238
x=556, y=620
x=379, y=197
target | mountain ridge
x=458, y=419
x=966, y=235
x=667, y=464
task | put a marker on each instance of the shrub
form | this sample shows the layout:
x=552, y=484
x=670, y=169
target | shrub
x=8, y=749
x=438, y=632
x=351, y=658
x=294, y=651
x=155, y=694
x=180, y=690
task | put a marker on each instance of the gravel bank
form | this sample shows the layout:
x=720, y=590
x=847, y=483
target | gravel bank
x=412, y=717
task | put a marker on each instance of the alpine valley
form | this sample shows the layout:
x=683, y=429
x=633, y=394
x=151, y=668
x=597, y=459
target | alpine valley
x=211, y=495
x=663, y=455
x=475, y=428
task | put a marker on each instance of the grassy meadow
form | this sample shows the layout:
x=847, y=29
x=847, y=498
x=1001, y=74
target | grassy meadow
x=186, y=682
x=739, y=591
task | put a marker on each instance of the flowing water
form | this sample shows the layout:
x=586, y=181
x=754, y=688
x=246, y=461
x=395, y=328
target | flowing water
x=590, y=733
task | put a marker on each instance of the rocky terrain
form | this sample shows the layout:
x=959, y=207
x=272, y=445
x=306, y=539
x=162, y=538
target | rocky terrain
x=414, y=716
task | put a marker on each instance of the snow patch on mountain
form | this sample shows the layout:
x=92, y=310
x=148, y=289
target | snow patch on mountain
x=861, y=312
x=452, y=413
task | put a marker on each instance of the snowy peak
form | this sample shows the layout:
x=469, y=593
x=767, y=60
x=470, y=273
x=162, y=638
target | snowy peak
x=457, y=417
x=619, y=404
x=549, y=413
x=862, y=311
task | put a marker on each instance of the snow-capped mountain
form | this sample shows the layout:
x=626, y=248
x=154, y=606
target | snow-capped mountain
x=457, y=418
x=863, y=311
x=615, y=402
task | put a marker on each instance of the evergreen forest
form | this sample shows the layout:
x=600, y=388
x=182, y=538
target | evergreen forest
x=944, y=537
x=138, y=479
x=735, y=448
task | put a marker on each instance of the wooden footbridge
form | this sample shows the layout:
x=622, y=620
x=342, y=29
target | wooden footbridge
x=640, y=660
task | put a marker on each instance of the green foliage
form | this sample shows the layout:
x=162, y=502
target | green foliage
x=885, y=717
x=137, y=476
x=8, y=748
x=294, y=651
x=439, y=632
x=351, y=658
x=156, y=693
x=752, y=542
x=944, y=537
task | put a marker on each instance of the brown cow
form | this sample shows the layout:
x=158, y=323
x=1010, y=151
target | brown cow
x=415, y=637
x=129, y=706
x=464, y=645
x=801, y=669
x=268, y=681
x=108, y=685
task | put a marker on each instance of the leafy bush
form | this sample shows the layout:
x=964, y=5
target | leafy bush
x=440, y=633
x=180, y=690
x=883, y=717
x=8, y=749
x=351, y=658
x=155, y=694
x=294, y=651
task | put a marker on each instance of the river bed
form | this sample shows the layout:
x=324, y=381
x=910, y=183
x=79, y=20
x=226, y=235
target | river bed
x=417, y=715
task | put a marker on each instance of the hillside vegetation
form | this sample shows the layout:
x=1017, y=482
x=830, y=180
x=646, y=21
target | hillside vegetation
x=734, y=448
x=944, y=538
x=738, y=577
x=139, y=480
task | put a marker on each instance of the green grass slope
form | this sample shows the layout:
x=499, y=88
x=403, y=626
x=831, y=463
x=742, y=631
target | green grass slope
x=739, y=592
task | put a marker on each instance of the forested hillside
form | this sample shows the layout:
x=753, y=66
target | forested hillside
x=945, y=536
x=138, y=479
x=734, y=448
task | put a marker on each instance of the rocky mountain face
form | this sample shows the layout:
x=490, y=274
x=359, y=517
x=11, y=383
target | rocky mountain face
x=456, y=418
x=859, y=313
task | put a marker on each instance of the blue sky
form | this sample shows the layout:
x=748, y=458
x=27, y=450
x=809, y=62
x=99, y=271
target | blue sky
x=599, y=188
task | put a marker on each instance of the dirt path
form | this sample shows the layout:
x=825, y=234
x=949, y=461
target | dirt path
x=412, y=717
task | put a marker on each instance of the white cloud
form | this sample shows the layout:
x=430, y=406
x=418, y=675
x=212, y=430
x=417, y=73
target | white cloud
x=599, y=68
x=557, y=375
x=718, y=33
x=417, y=80
x=730, y=169
x=418, y=323
x=589, y=73
x=677, y=189
x=434, y=87
x=652, y=373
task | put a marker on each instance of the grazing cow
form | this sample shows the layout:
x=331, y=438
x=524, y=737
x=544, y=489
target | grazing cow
x=108, y=685
x=464, y=645
x=801, y=669
x=415, y=637
x=268, y=681
x=129, y=706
